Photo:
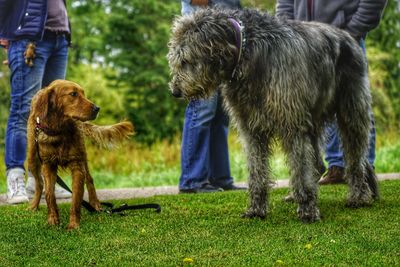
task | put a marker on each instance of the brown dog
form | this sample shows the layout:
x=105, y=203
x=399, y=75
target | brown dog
x=56, y=130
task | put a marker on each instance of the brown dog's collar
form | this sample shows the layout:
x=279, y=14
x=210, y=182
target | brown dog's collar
x=44, y=129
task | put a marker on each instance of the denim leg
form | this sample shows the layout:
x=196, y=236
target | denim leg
x=219, y=155
x=195, y=152
x=25, y=82
x=49, y=64
x=56, y=66
x=334, y=152
x=187, y=8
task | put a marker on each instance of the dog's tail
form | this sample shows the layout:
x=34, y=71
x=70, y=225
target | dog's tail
x=107, y=136
x=372, y=180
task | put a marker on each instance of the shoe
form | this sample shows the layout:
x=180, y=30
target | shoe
x=335, y=175
x=206, y=188
x=16, y=186
x=232, y=187
x=59, y=192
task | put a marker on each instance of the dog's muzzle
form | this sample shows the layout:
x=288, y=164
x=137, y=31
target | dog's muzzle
x=177, y=93
x=95, y=111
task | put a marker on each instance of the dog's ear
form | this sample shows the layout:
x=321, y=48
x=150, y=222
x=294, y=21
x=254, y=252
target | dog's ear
x=41, y=103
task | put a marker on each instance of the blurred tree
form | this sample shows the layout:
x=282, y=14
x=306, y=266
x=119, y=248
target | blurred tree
x=89, y=24
x=386, y=38
x=136, y=47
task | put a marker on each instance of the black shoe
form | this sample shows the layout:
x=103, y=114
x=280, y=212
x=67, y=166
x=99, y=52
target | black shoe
x=233, y=187
x=335, y=175
x=207, y=188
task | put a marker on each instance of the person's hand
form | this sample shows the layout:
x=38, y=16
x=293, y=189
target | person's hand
x=4, y=43
x=199, y=2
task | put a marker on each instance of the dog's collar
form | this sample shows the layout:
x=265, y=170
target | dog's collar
x=44, y=129
x=240, y=40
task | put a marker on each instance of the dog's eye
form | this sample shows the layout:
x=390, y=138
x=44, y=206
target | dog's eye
x=73, y=94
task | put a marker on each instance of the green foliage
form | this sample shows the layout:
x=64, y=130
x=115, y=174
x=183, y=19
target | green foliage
x=260, y=4
x=386, y=38
x=207, y=230
x=137, y=48
x=89, y=23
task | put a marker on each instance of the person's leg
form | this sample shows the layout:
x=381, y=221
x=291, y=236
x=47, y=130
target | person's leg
x=25, y=82
x=219, y=156
x=333, y=152
x=56, y=66
x=187, y=8
x=195, y=151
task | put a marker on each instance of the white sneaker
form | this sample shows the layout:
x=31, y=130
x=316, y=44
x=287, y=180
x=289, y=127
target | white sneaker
x=30, y=189
x=16, y=187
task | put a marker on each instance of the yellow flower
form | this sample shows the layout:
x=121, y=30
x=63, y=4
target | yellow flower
x=308, y=246
x=279, y=262
x=188, y=260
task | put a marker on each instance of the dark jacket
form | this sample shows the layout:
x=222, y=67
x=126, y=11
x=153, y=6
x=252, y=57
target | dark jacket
x=22, y=19
x=358, y=17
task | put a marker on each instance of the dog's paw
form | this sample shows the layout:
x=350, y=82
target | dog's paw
x=96, y=205
x=72, y=226
x=252, y=213
x=33, y=208
x=308, y=214
x=53, y=220
x=358, y=203
x=359, y=200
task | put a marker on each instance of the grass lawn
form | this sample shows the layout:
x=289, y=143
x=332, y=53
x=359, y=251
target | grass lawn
x=206, y=230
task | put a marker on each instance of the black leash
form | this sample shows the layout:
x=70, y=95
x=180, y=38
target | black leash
x=110, y=207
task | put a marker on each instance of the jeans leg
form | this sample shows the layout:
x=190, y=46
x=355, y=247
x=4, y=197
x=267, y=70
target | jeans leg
x=334, y=152
x=25, y=82
x=187, y=8
x=372, y=142
x=56, y=66
x=195, y=151
x=219, y=154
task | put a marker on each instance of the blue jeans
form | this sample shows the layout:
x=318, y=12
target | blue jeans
x=49, y=64
x=334, y=152
x=187, y=8
x=204, y=154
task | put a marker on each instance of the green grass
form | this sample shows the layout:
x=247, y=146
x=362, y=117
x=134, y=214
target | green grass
x=207, y=229
x=133, y=165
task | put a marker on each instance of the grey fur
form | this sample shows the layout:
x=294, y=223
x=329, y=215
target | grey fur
x=293, y=77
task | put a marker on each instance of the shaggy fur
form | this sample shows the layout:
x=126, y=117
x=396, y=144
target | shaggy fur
x=292, y=78
x=56, y=131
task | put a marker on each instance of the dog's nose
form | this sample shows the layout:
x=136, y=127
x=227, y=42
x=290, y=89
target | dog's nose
x=96, y=109
x=177, y=93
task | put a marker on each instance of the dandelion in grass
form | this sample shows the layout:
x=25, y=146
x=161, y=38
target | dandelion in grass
x=308, y=246
x=187, y=260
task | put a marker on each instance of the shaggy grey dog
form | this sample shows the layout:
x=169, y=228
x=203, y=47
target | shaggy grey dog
x=280, y=79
